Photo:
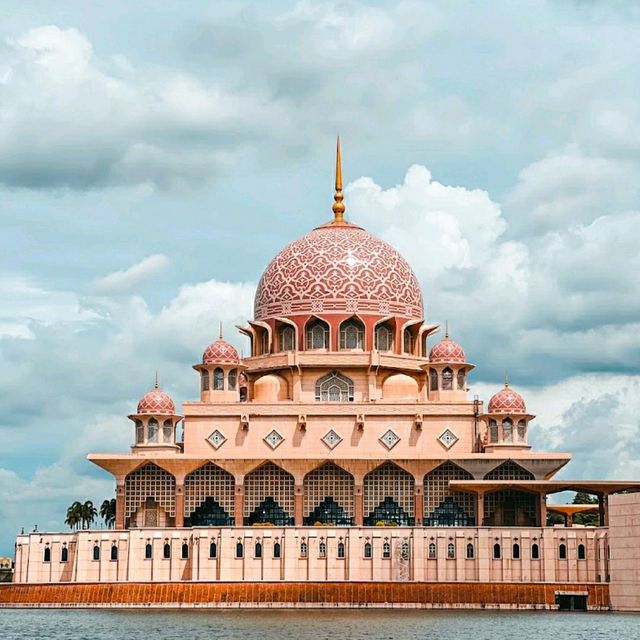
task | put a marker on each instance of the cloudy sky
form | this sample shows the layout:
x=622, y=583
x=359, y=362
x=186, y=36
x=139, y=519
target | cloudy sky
x=154, y=159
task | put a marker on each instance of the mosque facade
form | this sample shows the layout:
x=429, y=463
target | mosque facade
x=344, y=448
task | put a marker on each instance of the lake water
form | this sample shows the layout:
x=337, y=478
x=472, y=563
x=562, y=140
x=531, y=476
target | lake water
x=315, y=625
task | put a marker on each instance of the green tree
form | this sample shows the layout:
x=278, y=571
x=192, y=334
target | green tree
x=74, y=515
x=89, y=513
x=588, y=518
x=108, y=512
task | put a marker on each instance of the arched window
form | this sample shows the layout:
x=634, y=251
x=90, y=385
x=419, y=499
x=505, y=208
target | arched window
x=152, y=430
x=497, y=552
x=386, y=550
x=367, y=550
x=303, y=549
x=114, y=551
x=167, y=432
x=433, y=551
x=562, y=551
x=148, y=551
x=470, y=551
x=204, y=380
x=522, y=431
x=507, y=430
x=447, y=379
x=322, y=549
x=276, y=550
x=218, y=379
x=213, y=549
x=317, y=334
x=334, y=387
x=264, y=343
x=433, y=380
x=340, y=549
x=515, y=551
x=582, y=554
x=493, y=431
x=287, y=338
x=408, y=341
x=47, y=554
x=96, y=552
x=166, y=551
x=352, y=334
x=185, y=551
x=384, y=337
x=233, y=379
x=535, y=551
x=139, y=432
x=257, y=550
x=239, y=549
x=461, y=379
x=451, y=550
x=64, y=554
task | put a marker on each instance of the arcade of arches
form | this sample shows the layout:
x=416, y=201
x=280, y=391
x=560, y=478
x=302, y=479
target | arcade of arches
x=328, y=494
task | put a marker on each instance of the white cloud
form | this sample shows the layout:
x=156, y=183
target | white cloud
x=126, y=279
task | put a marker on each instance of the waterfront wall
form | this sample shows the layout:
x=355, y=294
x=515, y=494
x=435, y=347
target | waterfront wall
x=576, y=555
x=275, y=595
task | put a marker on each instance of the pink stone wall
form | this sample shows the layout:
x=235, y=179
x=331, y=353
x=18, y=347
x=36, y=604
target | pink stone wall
x=624, y=544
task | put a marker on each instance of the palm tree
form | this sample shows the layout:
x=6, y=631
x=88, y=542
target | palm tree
x=74, y=515
x=108, y=512
x=89, y=513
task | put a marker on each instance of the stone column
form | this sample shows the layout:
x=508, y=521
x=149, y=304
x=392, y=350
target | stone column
x=359, y=505
x=418, y=504
x=120, y=496
x=479, y=508
x=298, y=505
x=543, y=509
x=239, y=505
x=179, y=519
x=603, y=511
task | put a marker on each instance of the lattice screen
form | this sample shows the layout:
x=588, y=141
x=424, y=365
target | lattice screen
x=388, y=481
x=209, y=481
x=268, y=481
x=329, y=481
x=150, y=481
x=436, y=489
x=509, y=470
x=515, y=500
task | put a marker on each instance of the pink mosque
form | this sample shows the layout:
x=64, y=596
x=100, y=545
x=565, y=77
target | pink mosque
x=344, y=455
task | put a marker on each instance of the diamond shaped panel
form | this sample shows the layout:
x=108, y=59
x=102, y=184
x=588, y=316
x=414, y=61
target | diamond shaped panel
x=389, y=439
x=273, y=439
x=447, y=438
x=217, y=439
x=331, y=439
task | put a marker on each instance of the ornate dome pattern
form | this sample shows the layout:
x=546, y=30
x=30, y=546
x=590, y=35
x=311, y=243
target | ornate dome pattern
x=447, y=351
x=507, y=401
x=157, y=401
x=220, y=352
x=338, y=269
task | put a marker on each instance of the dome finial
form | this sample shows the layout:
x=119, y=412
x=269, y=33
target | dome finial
x=446, y=329
x=338, y=206
x=220, y=329
x=155, y=384
x=506, y=381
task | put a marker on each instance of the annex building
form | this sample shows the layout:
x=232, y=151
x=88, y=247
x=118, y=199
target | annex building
x=343, y=455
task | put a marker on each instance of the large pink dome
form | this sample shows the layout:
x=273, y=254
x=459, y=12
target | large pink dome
x=507, y=401
x=220, y=352
x=158, y=402
x=338, y=269
x=447, y=351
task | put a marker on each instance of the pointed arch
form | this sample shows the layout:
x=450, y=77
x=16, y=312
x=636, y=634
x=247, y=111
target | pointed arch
x=444, y=506
x=334, y=387
x=352, y=334
x=328, y=495
x=209, y=496
x=509, y=470
x=146, y=488
x=388, y=495
x=384, y=335
x=269, y=496
x=317, y=334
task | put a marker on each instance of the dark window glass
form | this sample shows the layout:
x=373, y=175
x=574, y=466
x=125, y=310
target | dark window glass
x=367, y=550
x=96, y=552
x=562, y=551
x=276, y=550
x=148, y=551
x=114, y=552
x=535, y=551
x=213, y=550
x=515, y=552
x=470, y=551
x=581, y=552
x=185, y=550
x=47, y=554
x=257, y=551
x=166, y=551
x=496, y=551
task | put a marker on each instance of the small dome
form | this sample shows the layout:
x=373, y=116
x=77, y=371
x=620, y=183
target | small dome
x=220, y=352
x=157, y=401
x=400, y=387
x=447, y=351
x=270, y=388
x=507, y=401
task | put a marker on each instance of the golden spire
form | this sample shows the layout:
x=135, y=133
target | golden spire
x=446, y=329
x=220, y=329
x=155, y=384
x=506, y=381
x=338, y=206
